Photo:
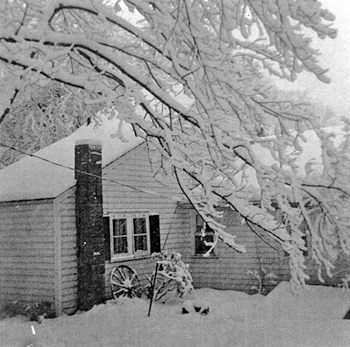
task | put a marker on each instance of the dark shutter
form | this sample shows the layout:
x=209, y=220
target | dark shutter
x=107, y=237
x=154, y=233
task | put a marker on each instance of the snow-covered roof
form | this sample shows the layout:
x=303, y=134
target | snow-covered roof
x=33, y=178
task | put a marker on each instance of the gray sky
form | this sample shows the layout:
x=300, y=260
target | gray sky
x=335, y=54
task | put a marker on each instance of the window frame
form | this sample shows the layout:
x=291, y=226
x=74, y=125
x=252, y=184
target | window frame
x=113, y=237
x=130, y=235
x=214, y=253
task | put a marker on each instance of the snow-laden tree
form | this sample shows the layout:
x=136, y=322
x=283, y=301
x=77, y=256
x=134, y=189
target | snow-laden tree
x=192, y=77
x=39, y=116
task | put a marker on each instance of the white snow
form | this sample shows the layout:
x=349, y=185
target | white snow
x=33, y=178
x=313, y=318
x=311, y=153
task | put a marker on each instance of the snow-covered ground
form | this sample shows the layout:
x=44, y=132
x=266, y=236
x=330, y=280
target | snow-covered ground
x=314, y=318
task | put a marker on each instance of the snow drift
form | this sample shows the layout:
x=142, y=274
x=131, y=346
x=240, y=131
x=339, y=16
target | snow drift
x=310, y=318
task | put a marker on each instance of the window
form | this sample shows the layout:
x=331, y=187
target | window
x=307, y=239
x=120, y=236
x=200, y=247
x=129, y=234
x=140, y=234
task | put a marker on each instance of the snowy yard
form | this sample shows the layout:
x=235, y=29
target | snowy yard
x=314, y=318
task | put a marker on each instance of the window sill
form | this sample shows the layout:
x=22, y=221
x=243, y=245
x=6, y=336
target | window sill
x=128, y=258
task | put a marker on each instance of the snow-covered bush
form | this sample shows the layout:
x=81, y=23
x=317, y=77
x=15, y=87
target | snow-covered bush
x=264, y=279
x=171, y=278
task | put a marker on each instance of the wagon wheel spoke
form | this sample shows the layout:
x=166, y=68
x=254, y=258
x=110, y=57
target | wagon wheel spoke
x=124, y=282
x=133, y=295
x=122, y=274
x=116, y=280
x=126, y=286
x=133, y=277
x=119, y=291
x=120, y=284
x=136, y=285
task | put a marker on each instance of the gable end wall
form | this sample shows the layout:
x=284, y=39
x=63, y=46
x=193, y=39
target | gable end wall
x=68, y=263
x=27, y=262
x=230, y=269
x=134, y=170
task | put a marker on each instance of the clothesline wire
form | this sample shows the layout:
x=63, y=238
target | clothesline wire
x=90, y=174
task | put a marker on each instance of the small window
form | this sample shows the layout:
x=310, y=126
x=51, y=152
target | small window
x=307, y=239
x=200, y=246
x=129, y=234
x=306, y=251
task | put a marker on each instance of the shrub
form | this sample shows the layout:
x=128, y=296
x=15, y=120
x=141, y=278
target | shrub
x=265, y=280
x=33, y=311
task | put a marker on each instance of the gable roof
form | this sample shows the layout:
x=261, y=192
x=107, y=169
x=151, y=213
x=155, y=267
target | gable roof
x=32, y=178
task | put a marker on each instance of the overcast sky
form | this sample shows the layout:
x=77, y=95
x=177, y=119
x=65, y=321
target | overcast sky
x=335, y=56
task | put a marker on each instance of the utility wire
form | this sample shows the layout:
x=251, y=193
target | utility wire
x=91, y=175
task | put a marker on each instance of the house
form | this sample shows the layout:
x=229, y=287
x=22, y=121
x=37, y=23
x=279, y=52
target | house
x=63, y=228
x=48, y=216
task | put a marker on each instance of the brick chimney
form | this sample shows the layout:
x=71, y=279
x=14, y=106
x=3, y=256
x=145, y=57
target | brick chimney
x=89, y=224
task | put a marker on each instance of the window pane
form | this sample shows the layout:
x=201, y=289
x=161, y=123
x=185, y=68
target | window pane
x=199, y=223
x=120, y=245
x=119, y=227
x=139, y=226
x=200, y=247
x=140, y=243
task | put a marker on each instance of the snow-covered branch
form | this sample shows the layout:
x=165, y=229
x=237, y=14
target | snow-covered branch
x=191, y=77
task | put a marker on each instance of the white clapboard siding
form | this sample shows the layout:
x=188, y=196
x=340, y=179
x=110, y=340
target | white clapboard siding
x=143, y=267
x=229, y=269
x=27, y=263
x=68, y=259
x=134, y=170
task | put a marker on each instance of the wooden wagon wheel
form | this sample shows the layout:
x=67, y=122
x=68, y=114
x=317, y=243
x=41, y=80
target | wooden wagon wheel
x=124, y=282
